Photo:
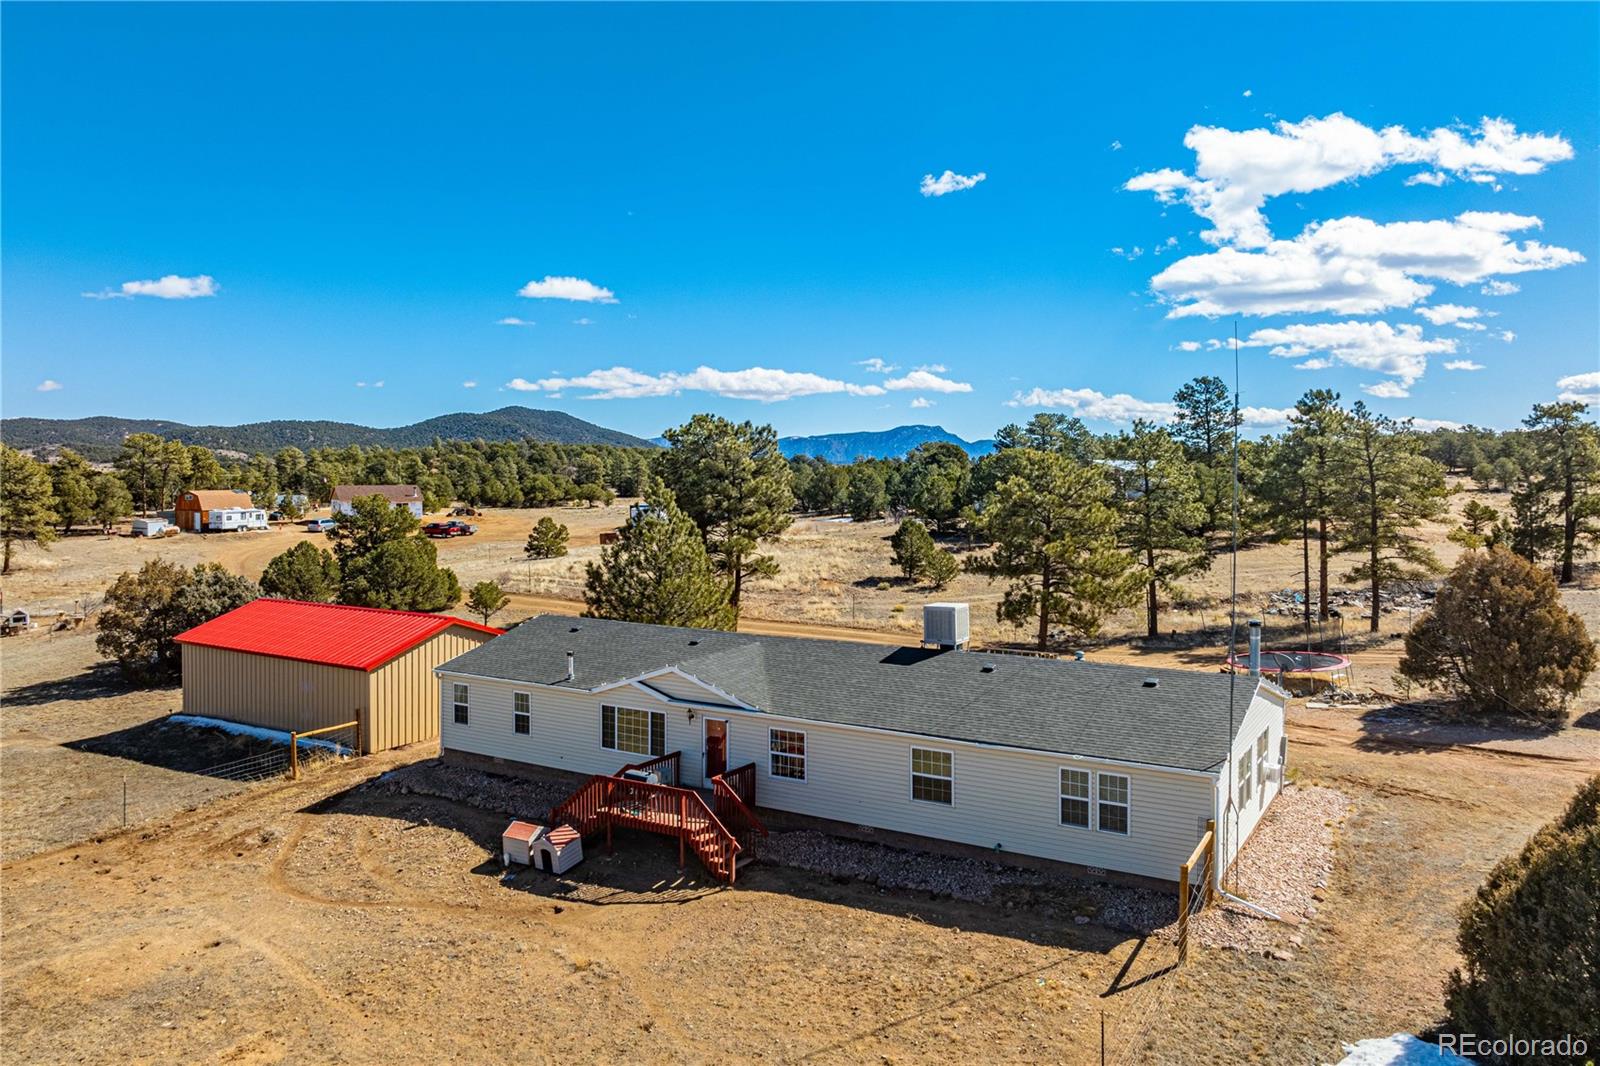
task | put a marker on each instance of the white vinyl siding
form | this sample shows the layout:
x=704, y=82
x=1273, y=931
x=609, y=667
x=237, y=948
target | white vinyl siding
x=859, y=776
x=786, y=753
x=1239, y=819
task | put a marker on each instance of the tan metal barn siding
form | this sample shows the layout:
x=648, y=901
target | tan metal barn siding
x=404, y=694
x=260, y=690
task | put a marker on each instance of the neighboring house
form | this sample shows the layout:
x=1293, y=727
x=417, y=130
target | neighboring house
x=408, y=496
x=1108, y=767
x=293, y=666
x=192, y=510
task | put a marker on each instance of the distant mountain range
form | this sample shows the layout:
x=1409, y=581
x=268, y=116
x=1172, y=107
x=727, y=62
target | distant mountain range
x=881, y=444
x=100, y=438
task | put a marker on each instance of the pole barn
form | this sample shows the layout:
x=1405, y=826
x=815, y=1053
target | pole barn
x=294, y=666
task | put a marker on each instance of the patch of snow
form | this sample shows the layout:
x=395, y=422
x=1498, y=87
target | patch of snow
x=1401, y=1049
x=271, y=736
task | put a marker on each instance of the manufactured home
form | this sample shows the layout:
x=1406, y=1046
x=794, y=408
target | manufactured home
x=407, y=496
x=193, y=509
x=295, y=667
x=232, y=519
x=1104, y=767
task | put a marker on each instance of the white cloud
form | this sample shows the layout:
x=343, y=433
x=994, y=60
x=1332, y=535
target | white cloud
x=1248, y=92
x=1387, y=390
x=1461, y=364
x=949, y=182
x=921, y=402
x=1425, y=424
x=48, y=385
x=169, y=287
x=469, y=384
x=1400, y=351
x=1129, y=254
x=513, y=320
x=563, y=288
x=1238, y=171
x=1122, y=408
x=1188, y=346
x=1444, y=314
x=1507, y=336
x=756, y=383
x=371, y=385
x=934, y=368
x=585, y=321
x=926, y=381
x=877, y=366
x=1116, y=146
x=1354, y=266
x=1500, y=288
x=1435, y=178
x=1580, y=388
x=1314, y=364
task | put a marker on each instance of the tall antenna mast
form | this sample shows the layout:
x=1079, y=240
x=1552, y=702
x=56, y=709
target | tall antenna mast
x=1233, y=595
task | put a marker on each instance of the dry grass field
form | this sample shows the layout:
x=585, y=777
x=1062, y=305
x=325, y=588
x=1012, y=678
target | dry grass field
x=327, y=919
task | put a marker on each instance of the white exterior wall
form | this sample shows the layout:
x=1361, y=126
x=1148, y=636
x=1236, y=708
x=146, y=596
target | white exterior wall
x=1002, y=797
x=1238, y=822
x=343, y=507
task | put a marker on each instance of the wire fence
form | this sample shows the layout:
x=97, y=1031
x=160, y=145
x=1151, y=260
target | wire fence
x=1142, y=991
x=333, y=746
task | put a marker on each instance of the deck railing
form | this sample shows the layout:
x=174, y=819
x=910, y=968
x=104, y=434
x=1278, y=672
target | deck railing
x=665, y=765
x=733, y=794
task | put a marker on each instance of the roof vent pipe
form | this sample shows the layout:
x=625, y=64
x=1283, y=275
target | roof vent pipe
x=572, y=667
x=1255, y=648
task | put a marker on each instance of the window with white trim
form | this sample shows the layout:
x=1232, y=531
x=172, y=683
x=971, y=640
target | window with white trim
x=1261, y=763
x=1245, y=790
x=1113, y=802
x=460, y=704
x=933, y=776
x=633, y=731
x=786, y=753
x=521, y=715
x=1075, y=798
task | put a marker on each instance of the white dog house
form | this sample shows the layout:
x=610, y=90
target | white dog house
x=555, y=851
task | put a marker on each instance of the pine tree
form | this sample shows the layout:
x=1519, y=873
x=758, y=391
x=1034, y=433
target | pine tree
x=112, y=501
x=486, y=600
x=1316, y=426
x=1205, y=425
x=384, y=561
x=27, y=504
x=866, y=496
x=659, y=572
x=547, y=539
x=1567, y=450
x=912, y=547
x=734, y=483
x=1389, y=488
x=304, y=572
x=70, y=481
x=1161, y=510
x=1052, y=533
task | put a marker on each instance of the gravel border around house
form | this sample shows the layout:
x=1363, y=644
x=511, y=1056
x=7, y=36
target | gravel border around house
x=515, y=797
x=1284, y=867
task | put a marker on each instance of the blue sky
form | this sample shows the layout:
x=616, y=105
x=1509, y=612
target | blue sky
x=224, y=214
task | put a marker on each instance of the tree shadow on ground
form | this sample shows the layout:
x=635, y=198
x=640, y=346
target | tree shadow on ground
x=171, y=746
x=100, y=681
x=1437, y=725
x=642, y=870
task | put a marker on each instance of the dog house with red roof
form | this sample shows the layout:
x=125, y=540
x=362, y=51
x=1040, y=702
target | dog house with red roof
x=295, y=666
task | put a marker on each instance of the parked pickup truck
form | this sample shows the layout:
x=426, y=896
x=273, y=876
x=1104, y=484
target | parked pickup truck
x=449, y=529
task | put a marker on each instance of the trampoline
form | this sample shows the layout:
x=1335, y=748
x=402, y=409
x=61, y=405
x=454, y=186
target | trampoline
x=1299, y=664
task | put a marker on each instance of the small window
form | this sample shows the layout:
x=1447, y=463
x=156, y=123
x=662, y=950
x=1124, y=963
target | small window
x=786, y=752
x=1075, y=798
x=1261, y=763
x=1113, y=802
x=521, y=716
x=933, y=776
x=461, y=704
x=1245, y=790
x=633, y=731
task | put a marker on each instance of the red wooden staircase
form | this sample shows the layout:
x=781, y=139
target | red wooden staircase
x=607, y=801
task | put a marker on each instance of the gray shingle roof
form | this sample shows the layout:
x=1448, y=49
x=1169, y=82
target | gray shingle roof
x=1079, y=708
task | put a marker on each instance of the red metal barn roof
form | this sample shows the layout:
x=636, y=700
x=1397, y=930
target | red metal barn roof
x=359, y=638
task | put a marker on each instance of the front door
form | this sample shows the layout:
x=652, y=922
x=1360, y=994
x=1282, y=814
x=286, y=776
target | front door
x=716, y=748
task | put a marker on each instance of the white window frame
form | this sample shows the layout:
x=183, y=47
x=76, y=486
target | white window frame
x=1126, y=804
x=616, y=731
x=461, y=703
x=522, y=708
x=773, y=753
x=1087, y=797
x=1261, y=766
x=913, y=774
x=1244, y=785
